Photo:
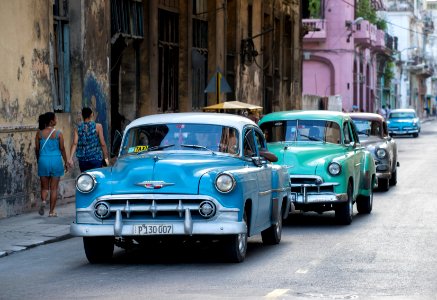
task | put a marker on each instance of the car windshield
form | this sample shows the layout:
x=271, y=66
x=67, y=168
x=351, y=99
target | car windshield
x=402, y=115
x=302, y=130
x=166, y=137
x=368, y=128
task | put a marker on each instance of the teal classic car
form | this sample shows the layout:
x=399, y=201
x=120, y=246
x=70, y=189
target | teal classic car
x=403, y=121
x=184, y=176
x=329, y=168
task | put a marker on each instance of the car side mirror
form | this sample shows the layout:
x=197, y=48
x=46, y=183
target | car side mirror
x=268, y=155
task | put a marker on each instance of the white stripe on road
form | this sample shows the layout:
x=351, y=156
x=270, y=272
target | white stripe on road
x=276, y=293
x=302, y=271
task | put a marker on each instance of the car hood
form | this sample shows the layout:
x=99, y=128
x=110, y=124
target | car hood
x=402, y=121
x=306, y=158
x=371, y=141
x=166, y=173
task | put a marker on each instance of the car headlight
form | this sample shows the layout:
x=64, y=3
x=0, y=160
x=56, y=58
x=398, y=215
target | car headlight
x=381, y=153
x=85, y=183
x=225, y=183
x=334, y=169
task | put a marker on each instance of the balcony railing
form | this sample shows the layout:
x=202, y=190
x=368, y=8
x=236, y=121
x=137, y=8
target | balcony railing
x=316, y=30
x=365, y=33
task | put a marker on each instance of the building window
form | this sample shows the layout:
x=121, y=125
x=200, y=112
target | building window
x=127, y=18
x=199, y=56
x=61, y=64
x=168, y=73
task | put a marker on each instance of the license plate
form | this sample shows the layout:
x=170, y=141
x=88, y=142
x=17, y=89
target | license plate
x=153, y=229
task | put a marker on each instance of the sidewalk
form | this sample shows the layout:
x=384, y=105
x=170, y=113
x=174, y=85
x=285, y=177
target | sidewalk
x=29, y=230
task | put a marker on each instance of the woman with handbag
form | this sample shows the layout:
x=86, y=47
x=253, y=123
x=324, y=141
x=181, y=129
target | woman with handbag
x=49, y=150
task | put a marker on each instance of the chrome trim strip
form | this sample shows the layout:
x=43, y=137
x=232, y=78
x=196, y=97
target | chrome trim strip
x=265, y=193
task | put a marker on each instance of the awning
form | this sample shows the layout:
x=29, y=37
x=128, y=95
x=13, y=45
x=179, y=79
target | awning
x=232, y=105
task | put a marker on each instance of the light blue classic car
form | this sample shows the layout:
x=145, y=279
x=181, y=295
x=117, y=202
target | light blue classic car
x=184, y=175
x=403, y=122
x=329, y=168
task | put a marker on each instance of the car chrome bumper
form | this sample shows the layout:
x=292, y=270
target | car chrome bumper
x=312, y=198
x=178, y=229
x=129, y=210
x=403, y=132
x=225, y=223
x=383, y=175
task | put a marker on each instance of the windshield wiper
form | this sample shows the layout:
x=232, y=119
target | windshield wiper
x=156, y=148
x=197, y=147
x=311, y=138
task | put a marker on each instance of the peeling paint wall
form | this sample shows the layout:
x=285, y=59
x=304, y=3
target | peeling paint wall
x=96, y=51
x=25, y=93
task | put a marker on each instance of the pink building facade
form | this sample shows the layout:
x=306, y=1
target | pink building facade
x=344, y=56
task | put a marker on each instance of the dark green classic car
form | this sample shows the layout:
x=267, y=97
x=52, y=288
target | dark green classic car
x=329, y=168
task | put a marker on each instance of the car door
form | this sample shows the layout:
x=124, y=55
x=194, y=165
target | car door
x=360, y=153
x=254, y=141
x=355, y=149
x=391, y=147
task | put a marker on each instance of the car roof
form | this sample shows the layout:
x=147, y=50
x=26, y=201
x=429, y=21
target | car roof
x=223, y=119
x=403, y=110
x=366, y=116
x=327, y=115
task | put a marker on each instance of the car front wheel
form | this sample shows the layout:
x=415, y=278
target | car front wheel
x=236, y=245
x=394, y=177
x=365, y=203
x=98, y=249
x=344, y=212
x=272, y=235
x=383, y=184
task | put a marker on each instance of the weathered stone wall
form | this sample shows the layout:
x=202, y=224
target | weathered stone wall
x=25, y=93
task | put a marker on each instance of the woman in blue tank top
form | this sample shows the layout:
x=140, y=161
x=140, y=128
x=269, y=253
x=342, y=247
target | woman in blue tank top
x=88, y=143
x=50, y=150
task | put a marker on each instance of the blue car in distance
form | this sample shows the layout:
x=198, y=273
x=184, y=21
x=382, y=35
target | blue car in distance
x=186, y=176
x=403, y=121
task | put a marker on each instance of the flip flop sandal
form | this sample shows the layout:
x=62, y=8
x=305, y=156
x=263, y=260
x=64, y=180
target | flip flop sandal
x=41, y=208
x=53, y=214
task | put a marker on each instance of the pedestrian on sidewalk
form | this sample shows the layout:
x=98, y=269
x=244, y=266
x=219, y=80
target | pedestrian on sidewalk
x=89, y=143
x=49, y=150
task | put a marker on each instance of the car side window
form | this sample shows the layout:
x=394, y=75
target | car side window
x=354, y=132
x=384, y=129
x=260, y=141
x=346, y=134
x=249, y=144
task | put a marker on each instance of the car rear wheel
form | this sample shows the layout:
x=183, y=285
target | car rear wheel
x=383, y=184
x=344, y=212
x=98, y=249
x=236, y=245
x=272, y=235
x=394, y=177
x=365, y=203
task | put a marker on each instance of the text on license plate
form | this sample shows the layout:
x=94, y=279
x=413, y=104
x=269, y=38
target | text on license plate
x=151, y=229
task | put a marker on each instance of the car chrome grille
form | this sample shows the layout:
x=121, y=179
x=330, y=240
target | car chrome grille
x=310, y=184
x=152, y=209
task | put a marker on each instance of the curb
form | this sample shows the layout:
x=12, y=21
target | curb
x=21, y=248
